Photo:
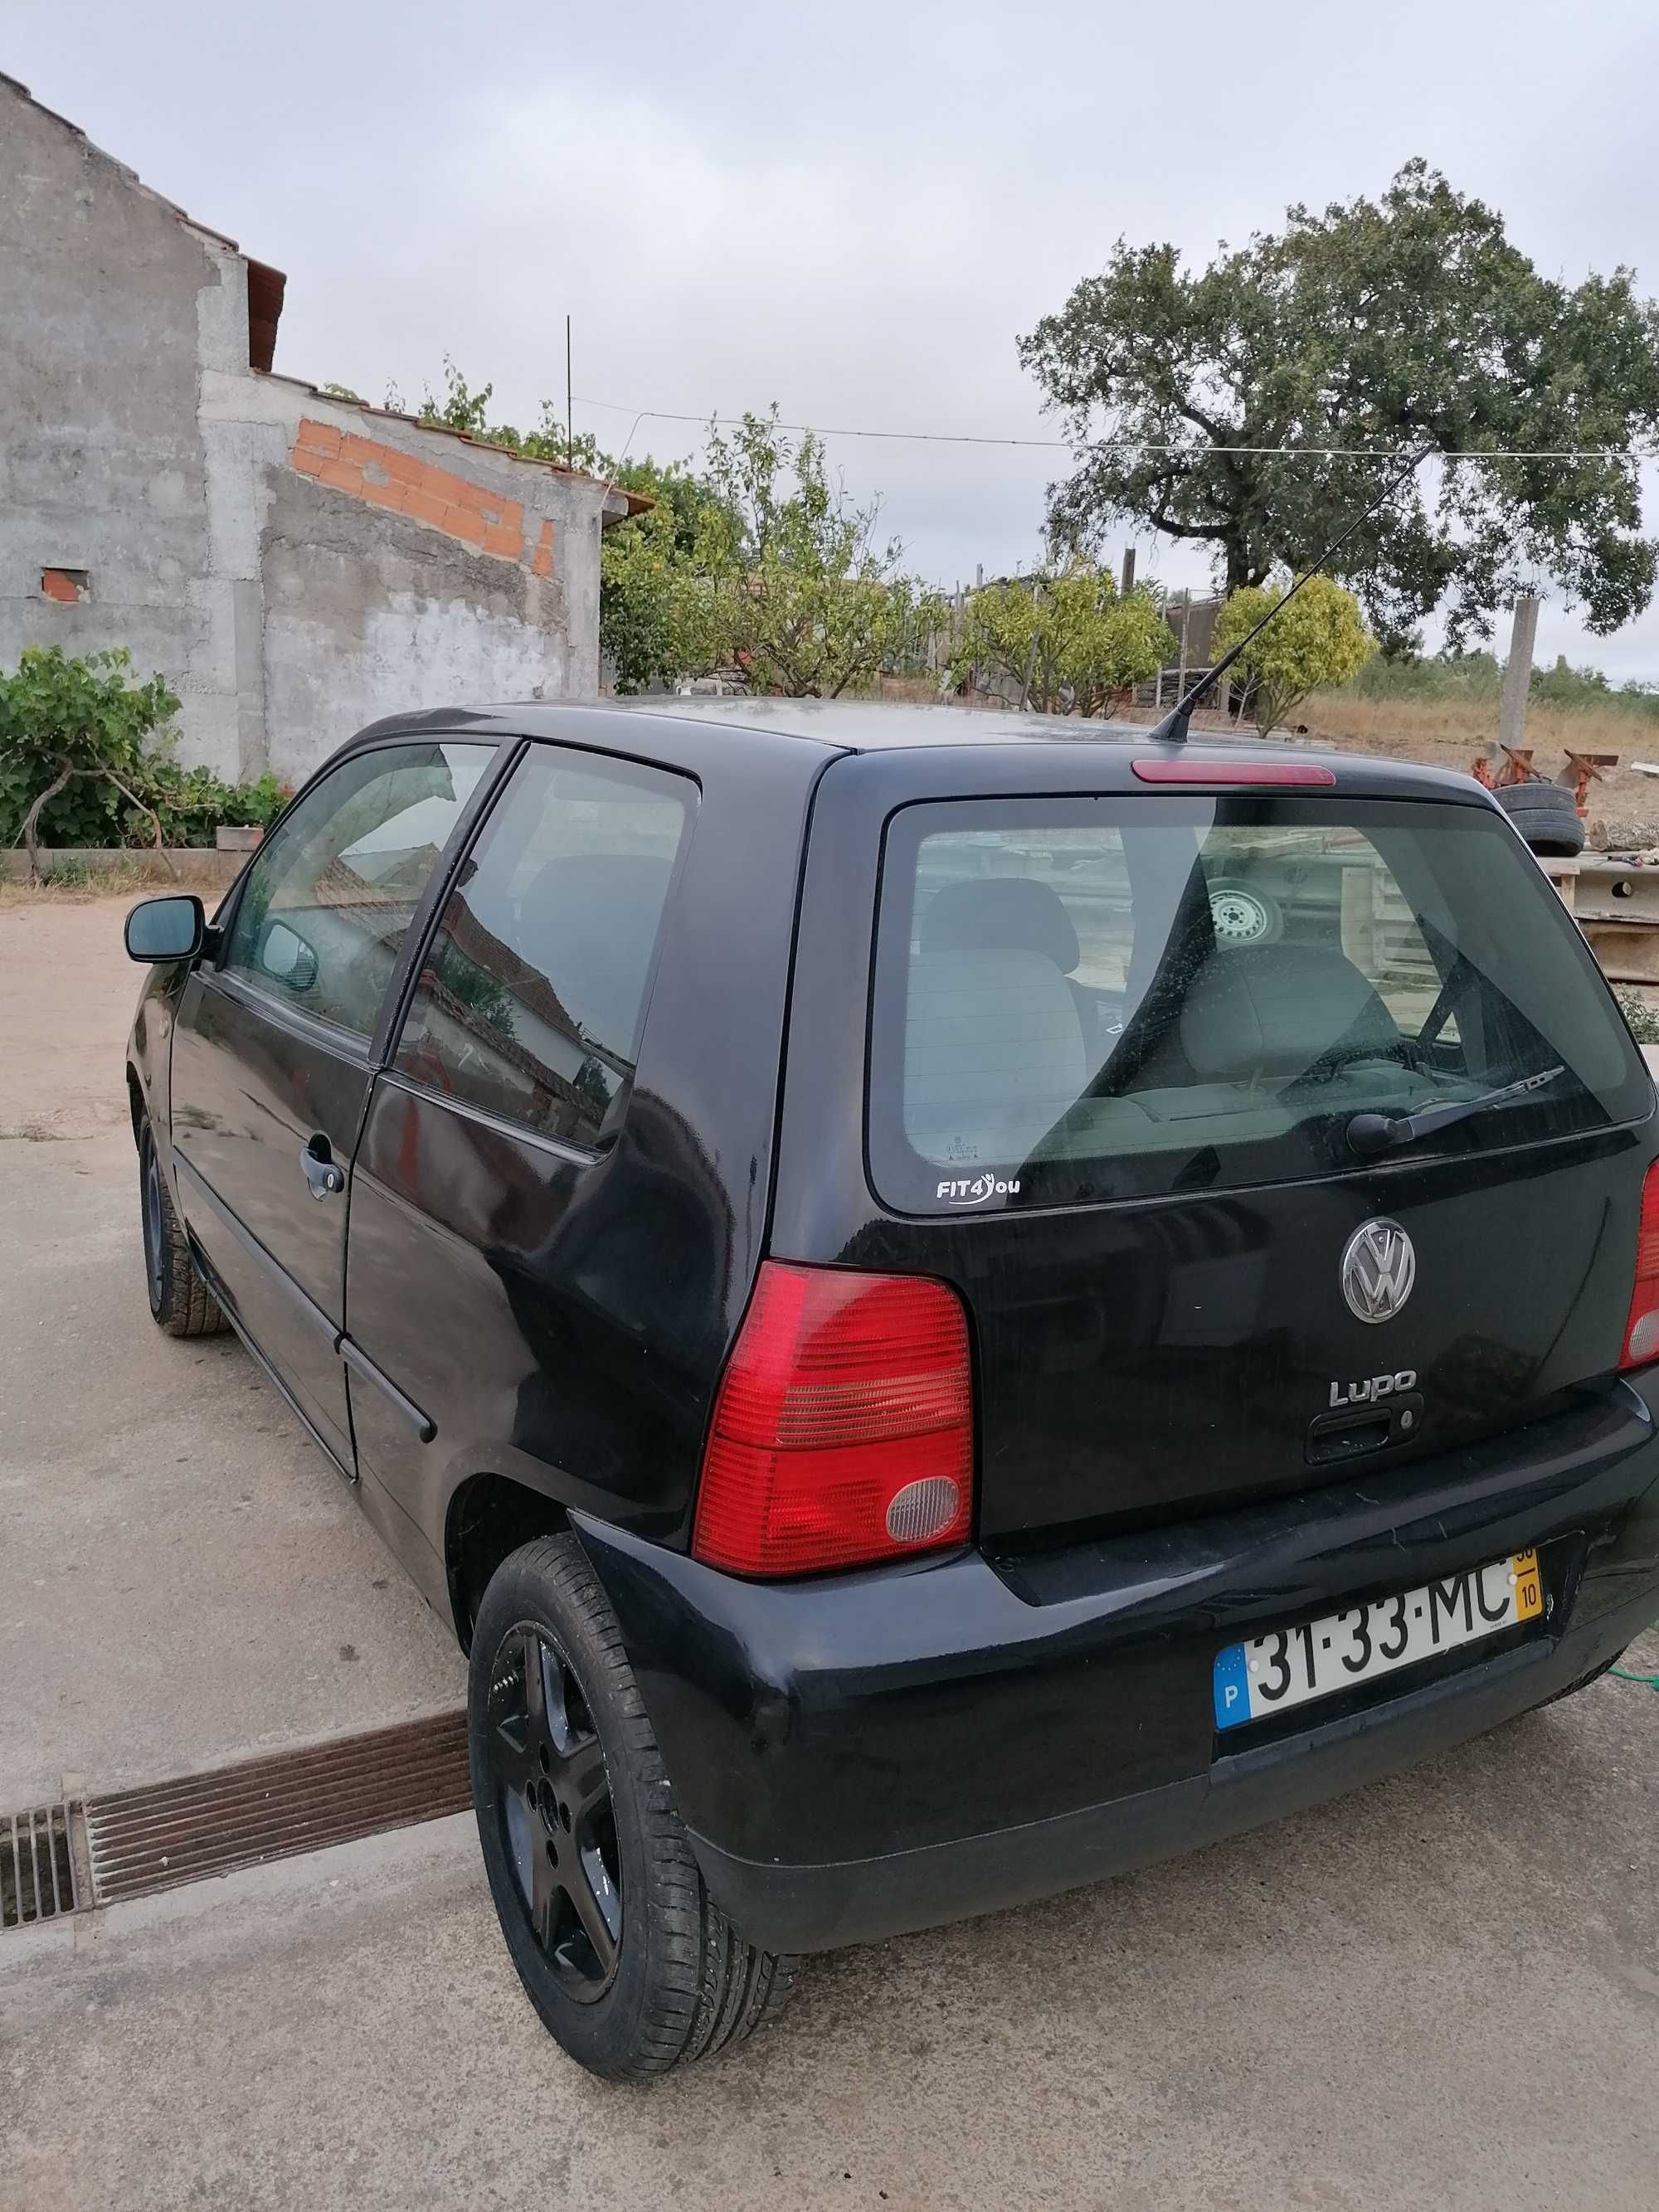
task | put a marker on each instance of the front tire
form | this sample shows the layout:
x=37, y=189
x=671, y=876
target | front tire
x=632, y=1966
x=180, y=1301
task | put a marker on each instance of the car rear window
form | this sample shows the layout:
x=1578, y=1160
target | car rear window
x=1083, y=1000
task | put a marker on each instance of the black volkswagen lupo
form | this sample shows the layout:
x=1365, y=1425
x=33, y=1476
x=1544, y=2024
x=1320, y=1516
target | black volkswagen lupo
x=949, y=1303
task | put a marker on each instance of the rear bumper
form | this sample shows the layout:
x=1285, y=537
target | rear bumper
x=816, y=1907
x=859, y=1756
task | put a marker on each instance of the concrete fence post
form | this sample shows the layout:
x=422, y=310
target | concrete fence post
x=1517, y=671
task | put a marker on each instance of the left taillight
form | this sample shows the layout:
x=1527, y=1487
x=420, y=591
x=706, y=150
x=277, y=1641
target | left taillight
x=1642, y=1325
x=842, y=1431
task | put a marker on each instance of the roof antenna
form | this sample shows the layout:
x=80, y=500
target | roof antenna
x=1172, y=730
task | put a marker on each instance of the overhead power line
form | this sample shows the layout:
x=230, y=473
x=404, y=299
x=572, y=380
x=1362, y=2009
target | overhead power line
x=1114, y=444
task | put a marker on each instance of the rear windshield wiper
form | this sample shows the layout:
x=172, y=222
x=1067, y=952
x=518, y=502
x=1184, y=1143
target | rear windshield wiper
x=1383, y=1132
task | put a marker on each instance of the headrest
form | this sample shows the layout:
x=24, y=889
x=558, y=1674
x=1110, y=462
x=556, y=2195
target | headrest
x=1278, y=1008
x=994, y=1054
x=1000, y=913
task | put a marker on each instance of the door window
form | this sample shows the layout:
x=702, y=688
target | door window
x=329, y=901
x=530, y=1000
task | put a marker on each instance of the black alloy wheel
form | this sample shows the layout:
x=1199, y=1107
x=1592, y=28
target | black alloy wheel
x=631, y=1963
x=150, y=1185
x=553, y=1800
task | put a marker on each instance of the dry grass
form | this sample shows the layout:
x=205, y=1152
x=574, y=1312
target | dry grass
x=1449, y=733
x=1470, y=722
x=1439, y=732
x=79, y=885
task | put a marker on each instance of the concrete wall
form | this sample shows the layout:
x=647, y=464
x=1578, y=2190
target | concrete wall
x=396, y=567
x=294, y=567
x=107, y=301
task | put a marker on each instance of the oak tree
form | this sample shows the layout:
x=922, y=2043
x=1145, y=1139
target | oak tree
x=1375, y=327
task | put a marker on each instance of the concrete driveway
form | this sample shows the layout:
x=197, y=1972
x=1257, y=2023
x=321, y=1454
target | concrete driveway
x=1443, y=1991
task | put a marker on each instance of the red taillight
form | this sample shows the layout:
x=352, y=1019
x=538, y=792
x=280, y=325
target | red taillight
x=1641, y=1328
x=1309, y=774
x=843, y=1428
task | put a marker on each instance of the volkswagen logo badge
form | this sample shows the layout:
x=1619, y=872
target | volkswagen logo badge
x=1378, y=1269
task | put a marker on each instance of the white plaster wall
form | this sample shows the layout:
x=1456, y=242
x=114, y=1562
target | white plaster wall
x=413, y=653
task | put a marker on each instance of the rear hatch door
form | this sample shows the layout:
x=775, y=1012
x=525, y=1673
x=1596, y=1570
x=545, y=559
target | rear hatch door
x=1118, y=1047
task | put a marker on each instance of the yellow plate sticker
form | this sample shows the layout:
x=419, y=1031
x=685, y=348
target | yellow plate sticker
x=1529, y=1588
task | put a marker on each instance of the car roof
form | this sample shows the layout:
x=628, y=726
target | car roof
x=841, y=726
x=866, y=725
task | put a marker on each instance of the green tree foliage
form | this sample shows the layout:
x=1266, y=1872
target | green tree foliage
x=657, y=612
x=1320, y=639
x=758, y=564
x=1067, y=638
x=85, y=759
x=1476, y=679
x=807, y=601
x=65, y=723
x=462, y=409
x=661, y=617
x=1381, y=325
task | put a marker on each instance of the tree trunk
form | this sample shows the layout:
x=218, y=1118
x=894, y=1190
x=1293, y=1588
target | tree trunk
x=31, y=819
x=132, y=797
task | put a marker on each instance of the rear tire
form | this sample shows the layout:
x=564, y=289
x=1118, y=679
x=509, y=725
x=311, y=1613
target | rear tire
x=1547, y=817
x=632, y=1966
x=180, y=1301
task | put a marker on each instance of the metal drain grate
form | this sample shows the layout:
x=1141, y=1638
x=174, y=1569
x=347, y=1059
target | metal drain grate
x=37, y=1866
x=170, y=1832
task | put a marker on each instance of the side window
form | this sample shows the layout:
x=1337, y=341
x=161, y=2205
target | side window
x=324, y=912
x=531, y=997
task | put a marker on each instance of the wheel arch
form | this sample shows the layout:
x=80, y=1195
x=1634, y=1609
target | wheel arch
x=489, y=1517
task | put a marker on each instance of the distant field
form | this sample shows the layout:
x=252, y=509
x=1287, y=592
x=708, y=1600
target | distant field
x=1444, y=732
x=1448, y=732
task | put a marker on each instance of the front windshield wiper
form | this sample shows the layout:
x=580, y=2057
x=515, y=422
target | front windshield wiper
x=1383, y=1132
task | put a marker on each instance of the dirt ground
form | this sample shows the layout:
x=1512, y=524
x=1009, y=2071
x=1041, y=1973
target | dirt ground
x=69, y=997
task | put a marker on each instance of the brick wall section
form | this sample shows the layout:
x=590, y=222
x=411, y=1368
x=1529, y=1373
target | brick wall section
x=381, y=476
x=57, y=583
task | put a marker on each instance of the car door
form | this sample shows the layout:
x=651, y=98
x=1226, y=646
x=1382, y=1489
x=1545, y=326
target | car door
x=272, y=1049
x=494, y=1241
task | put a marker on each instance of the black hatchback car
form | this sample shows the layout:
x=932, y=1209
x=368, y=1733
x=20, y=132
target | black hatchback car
x=949, y=1304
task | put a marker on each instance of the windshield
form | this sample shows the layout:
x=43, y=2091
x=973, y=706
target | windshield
x=1093, y=999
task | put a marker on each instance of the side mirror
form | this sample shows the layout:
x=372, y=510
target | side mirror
x=165, y=929
x=284, y=956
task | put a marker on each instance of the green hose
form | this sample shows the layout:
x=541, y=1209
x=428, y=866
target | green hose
x=1652, y=1680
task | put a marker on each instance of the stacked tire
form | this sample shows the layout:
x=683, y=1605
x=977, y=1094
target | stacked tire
x=1547, y=817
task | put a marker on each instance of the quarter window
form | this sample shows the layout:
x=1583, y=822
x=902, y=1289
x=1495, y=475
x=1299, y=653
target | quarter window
x=328, y=903
x=530, y=1000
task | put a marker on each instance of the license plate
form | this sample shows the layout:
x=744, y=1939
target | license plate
x=1293, y=1666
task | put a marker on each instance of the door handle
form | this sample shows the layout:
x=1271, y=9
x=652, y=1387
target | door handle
x=325, y=1178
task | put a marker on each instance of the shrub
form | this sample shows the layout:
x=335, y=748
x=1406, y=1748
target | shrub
x=1644, y=1021
x=85, y=759
x=1320, y=639
x=1065, y=637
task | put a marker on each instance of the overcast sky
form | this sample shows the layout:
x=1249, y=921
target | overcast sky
x=851, y=209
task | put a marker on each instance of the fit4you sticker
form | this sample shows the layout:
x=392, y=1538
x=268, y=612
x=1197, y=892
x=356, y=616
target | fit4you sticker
x=973, y=1190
